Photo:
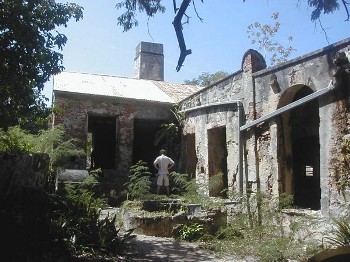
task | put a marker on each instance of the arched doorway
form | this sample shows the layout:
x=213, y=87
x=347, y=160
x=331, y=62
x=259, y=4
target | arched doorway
x=299, y=149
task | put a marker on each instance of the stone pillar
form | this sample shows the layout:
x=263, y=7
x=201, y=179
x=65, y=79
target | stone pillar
x=252, y=62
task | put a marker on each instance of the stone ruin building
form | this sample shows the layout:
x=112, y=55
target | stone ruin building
x=118, y=117
x=278, y=130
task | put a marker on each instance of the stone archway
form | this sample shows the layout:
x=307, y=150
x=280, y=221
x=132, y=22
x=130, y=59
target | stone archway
x=299, y=149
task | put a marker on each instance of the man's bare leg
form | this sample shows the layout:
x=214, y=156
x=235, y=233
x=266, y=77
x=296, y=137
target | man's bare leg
x=167, y=190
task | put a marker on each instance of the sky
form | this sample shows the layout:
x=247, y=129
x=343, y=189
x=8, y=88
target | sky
x=97, y=45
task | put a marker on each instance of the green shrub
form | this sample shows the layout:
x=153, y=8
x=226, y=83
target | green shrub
x=215, y=183
x=179, y=183
x=139, y=184
x=191, y=232
x=285, y=201
x=17, y=140
x=261, y=236
x=38, y=226
x=340, y=235
x=78, y=217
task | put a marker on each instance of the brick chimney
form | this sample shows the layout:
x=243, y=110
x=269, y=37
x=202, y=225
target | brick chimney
x=149, y=61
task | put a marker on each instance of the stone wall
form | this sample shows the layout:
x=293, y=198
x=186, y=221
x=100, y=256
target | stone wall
x=73, y=111
x=19, y=171
x=261, y=92
x=236, y=87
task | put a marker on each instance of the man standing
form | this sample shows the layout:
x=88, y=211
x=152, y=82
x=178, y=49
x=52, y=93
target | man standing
x=163, y=164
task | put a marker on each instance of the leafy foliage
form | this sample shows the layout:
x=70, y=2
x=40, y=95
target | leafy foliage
x=206, y=78
x=215, y=182
x=340, y=235
x=322, y=6
x=189, y=190
x=16, y=140
x=28, y=49
x=169, y=135
x=342, y=166
x=37, y=226
x=267, y=241
x=264, y=36
x=179, y=182
x=171, y=131
x=79, y=218
x=191, y=232
x=128, y=19
x=139, y=183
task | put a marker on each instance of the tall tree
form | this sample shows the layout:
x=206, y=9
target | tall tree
x=327, y=7
x=29, y=45
x=263, y=35
x=151, y=7
x=206, y=78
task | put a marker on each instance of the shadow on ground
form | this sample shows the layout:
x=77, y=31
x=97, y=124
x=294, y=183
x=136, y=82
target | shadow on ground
x=149, y=248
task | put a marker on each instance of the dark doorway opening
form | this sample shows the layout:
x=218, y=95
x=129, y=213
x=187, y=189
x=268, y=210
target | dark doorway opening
x=217, y=158
x=190, y=156
x=103, y=130
x=144, y=136
x=304, y=122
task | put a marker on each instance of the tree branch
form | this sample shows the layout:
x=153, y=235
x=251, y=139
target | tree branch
x=345, y=4
x=324, y=30
x=195, y=9
x=179, y=34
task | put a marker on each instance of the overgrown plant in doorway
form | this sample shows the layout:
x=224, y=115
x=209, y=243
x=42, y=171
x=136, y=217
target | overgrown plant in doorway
x=171, y=130
x=216, y=181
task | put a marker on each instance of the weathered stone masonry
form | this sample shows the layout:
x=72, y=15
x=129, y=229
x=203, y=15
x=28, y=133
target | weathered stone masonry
x=291, y=152
x=74, y=118
x=299, y=110
x=115, y=119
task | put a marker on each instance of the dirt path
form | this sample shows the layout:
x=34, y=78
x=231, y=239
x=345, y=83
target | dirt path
x=156, y=249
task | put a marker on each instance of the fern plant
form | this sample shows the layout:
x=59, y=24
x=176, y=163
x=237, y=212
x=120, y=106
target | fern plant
x=139, y=183
x=17, y=140
x=179, y=182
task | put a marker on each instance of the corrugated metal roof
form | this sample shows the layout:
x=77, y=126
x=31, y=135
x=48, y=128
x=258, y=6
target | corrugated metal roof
x=110, y=86
x=177, y=91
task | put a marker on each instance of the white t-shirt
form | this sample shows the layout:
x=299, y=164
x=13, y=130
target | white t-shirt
x=163, y=163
